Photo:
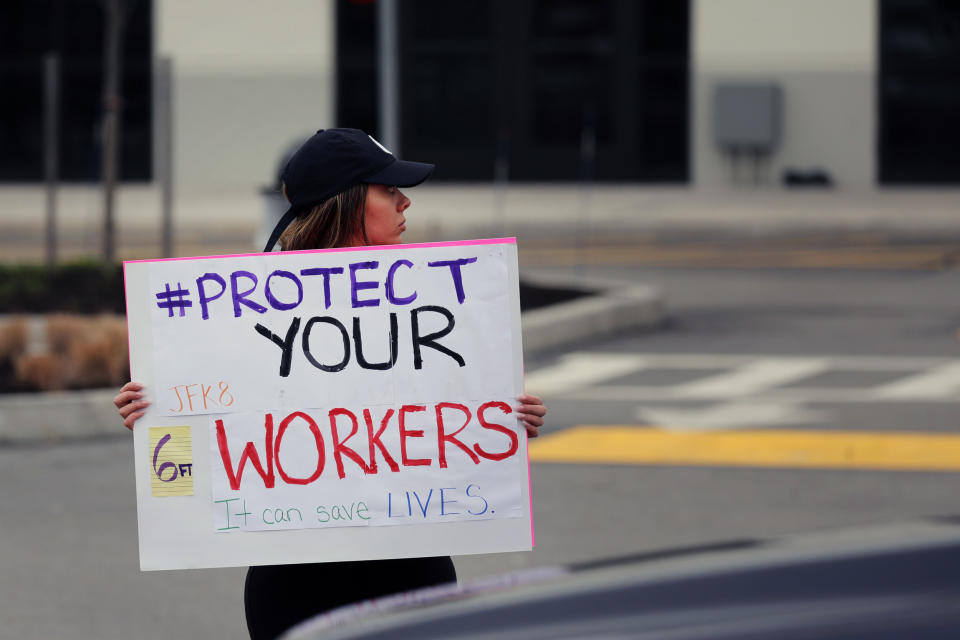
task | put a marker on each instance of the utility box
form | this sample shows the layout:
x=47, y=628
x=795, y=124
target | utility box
x=746, y=117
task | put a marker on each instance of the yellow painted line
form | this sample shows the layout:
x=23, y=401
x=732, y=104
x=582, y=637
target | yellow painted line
x=768, y=448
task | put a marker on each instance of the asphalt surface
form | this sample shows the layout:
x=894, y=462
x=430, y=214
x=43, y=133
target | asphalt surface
x=68, y=540
x=873, y=315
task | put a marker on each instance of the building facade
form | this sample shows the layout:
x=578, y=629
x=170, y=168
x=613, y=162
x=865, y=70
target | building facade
x=616, y=91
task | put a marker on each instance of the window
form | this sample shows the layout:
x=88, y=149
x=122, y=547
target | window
x=919, y=142
x=527, y=79
x=74, y=30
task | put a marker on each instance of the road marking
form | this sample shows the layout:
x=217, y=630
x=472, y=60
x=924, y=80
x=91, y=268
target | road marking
x=578, y=370
x=937, y=382
x=654, y=393
x=758, y=377
x=730, y=360
x=774, y=448
x=730, y=415
x=751, y=378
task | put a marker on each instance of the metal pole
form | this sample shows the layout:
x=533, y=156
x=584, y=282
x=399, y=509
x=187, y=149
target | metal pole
x=501, y=178
x=111, y=106
x=588, y=155
x=164, y=131
x=51, y=146
x=387, y=81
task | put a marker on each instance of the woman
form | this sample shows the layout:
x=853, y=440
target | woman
x=343, y=191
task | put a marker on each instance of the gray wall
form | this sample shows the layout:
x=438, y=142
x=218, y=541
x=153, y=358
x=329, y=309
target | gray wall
x=249, y=78
x=822, y=53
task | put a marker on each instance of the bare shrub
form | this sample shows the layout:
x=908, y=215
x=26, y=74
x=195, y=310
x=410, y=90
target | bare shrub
x=89, y=365
x=42, y=372
x=63, y=330
x=13, y=338
x=96, y=351
x=82, y=352
x=114, y=331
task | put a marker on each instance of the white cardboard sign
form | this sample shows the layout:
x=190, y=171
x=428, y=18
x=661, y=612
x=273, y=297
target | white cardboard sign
x=329, y=405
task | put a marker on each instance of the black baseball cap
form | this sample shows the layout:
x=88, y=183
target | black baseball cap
x=333, y=160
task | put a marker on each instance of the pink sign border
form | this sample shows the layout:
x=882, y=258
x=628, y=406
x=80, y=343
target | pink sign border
x=416, y=245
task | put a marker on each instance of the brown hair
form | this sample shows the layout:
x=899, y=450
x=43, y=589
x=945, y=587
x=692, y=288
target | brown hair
x=332, y=223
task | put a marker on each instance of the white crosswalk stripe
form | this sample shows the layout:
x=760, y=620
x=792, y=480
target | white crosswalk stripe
x=934, y=383
x=751, y=378
x=581, y=369
x=728, y=415
x=594, y=375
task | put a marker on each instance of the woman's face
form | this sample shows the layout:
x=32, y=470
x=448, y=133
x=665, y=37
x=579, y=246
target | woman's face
x=383, y=214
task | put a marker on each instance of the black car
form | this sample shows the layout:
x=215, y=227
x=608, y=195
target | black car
x=892, y=582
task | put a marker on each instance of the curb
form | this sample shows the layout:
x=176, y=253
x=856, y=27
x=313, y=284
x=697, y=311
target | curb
x=71, y=415
x=58, y=415
x=611, y=309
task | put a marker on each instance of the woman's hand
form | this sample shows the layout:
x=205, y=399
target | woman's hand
x=530, y=412
x=130, y=403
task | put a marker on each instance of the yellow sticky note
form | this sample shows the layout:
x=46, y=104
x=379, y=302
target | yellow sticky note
x=171, y=461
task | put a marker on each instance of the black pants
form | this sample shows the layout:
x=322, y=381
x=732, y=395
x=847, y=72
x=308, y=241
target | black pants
x=277, y=597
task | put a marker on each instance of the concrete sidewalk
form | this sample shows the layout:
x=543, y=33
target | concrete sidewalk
x=560, y=213
x=608, y=210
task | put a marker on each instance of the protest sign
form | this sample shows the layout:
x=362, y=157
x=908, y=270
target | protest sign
x=329, y=405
